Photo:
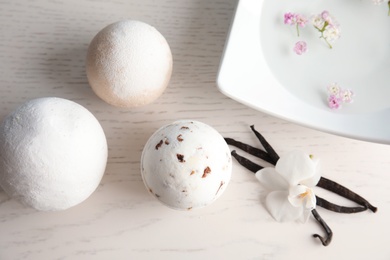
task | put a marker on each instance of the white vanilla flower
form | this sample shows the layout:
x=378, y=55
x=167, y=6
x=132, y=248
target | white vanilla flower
x=290, y=183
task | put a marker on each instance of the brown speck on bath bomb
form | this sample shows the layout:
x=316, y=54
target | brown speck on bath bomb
x=179, y=138
x=220, y=186
x=206, y=172
x=180, y=157
x=159, y=144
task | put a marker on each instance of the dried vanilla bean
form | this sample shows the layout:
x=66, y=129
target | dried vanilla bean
x=253, y=167
x=345, y=192
x=336, y=208
x=272, y=157
x=329, y=234
x=271, y=152
x=250, y=149
x=323, y=183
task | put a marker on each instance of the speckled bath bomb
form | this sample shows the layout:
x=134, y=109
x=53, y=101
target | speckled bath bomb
x=53, y=154
x=186, y=165
x=129, y=64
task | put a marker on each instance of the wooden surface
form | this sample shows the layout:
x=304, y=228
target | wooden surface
x=42, y=53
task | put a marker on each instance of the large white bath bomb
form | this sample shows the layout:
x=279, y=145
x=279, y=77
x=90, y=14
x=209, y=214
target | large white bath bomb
x=186, y=165
x=129, y=64
x=53, y=154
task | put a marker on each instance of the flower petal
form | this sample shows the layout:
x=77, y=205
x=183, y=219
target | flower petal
x=295, y=167
x=297, y=195
x=313, y=180
x=311, y=201
x=280, y=208
x=271, y=179
x=302, y=196
x=305, y=215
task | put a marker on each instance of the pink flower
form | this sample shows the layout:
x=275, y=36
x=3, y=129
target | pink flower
x=300, y=47
x=289, y=18
x=334, y=89
x=334, y=102
x=327, y=26
x=346, y=95
x=337, y=95
x=326, y=17
x=301, y=20
x=295, y=19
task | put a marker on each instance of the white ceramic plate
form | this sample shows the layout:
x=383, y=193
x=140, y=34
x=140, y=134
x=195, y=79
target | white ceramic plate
x=260, y=69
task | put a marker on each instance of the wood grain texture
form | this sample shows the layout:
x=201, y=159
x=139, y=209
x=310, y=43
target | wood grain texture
x=42, y=53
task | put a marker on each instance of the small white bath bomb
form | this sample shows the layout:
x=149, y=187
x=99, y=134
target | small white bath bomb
x=53, y=154
x=186, y=165
x=129, y=64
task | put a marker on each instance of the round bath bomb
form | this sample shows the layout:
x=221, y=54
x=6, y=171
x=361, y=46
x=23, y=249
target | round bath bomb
x=186, y=165
x=53, y=154
x=129, y=64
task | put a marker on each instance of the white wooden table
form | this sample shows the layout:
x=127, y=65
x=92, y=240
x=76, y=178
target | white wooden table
x=43, y=46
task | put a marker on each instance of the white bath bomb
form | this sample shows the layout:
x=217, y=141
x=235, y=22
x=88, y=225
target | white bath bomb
x=53, y=154
x=186, y=165
x=129, y=64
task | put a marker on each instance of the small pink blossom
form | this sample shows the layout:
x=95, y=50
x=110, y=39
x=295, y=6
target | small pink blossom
x=334, y=89
x=289, y=18
x=326, y=17
x=334, y=102
x=301, y=20
x=295, y=19
x=337, y=95
x=327, y=25
x=300, y=47
x=346, y=95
